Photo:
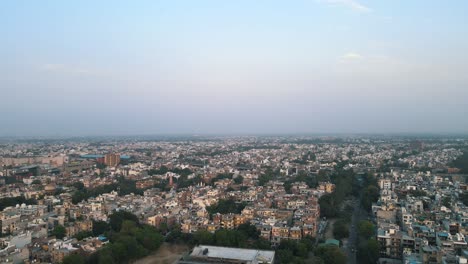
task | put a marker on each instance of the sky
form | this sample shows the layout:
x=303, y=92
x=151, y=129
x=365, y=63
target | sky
x=84, y=68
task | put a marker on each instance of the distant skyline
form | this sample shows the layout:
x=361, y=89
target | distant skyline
x=85, y=68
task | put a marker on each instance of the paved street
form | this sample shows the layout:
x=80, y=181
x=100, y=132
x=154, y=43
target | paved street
x=352, y=241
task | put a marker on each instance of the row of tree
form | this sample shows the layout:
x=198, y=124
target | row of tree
x=311, y=180
x=163, y=170
x=123, y=186
x=288, y=251
x=246, y=236
x=346, y=185
x=267, y=176
x=368, y=246
x=13, y=201
x=304, y=251
x=370, y=191
x=129, y=240
x=462, y=162
x=226, y=206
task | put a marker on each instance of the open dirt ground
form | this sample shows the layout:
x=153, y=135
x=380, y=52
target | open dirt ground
x=166, y=254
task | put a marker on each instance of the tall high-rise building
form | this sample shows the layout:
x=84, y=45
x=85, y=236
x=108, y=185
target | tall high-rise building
x=112, y=159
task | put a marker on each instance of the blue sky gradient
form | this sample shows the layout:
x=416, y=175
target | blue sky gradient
x=150, y=67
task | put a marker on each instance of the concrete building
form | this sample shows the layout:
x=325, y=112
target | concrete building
x=212, y=254
x=112, y=159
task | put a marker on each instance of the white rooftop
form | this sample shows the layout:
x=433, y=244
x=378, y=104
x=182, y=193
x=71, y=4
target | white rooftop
x=252, y=256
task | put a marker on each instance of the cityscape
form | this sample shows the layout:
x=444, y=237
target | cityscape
x=233, y=132
x=281, y=199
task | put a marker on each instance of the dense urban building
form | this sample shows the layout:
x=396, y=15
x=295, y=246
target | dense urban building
x=288, y=189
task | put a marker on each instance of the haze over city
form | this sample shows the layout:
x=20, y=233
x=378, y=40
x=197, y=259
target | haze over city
x=152, y=67
x=238, y=132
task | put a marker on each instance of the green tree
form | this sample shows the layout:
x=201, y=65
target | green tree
x=224, y=238
x=239, y=179
x=117, y=218
x=82, y=235
x=261, y=243
x=462, y=162
x=287, y=186
x=100, y=227
x=36, y=182
x=74, y=259
x=368, y=251
x=249, y=230
x=132, y=248
x=340, y=229
x=79, y=196
x=119, y=251
x=446, y=201
x=371, y=194
x=417, y=193
x=230, y=238
x=464, y=198
x=266, y=177
x=298, y=249
x=328, y=206
x=302, y=250
x=59, y=231
x=284, y=255
x=366, y=229
x=105, y=257
x=174, y=235
x=203, y=237
x=12, y=201
x=128, y=227
x=226, y=207
x=79, y=186
x=149, y=237
x=330, y=254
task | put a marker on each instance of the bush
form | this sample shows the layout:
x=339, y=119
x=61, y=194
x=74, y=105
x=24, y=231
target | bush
x=340, y=229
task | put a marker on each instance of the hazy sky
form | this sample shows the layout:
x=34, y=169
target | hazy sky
x=233, y=66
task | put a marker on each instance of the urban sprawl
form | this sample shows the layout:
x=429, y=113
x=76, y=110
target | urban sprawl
x=282, y=199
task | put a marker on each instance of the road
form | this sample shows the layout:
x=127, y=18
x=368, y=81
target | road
x=329, y=229
x=353, y=235
x=321, y=230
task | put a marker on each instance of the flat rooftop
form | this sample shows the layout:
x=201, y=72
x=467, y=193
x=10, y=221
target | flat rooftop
x=251, y=256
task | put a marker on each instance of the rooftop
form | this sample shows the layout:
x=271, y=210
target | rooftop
x=251, y=256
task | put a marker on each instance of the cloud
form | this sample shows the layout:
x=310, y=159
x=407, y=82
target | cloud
x=352, y=56
x=354, y=5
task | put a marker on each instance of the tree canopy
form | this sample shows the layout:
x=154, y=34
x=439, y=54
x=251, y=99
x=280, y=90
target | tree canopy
x=129, y=240
x=124, y=186
x=13, y=201
x=366, y=229
x=59, y=231
x=117, y=218
x=225, y=207
x=331, y=254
